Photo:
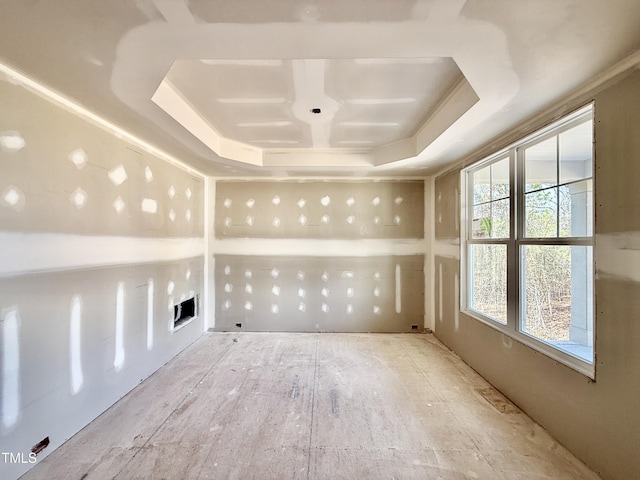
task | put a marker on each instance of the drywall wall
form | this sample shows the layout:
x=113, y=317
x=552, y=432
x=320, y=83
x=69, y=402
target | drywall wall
x=316, y=209
x=99, y=239
x=319, y=255
x=598, y=421
x=329, y=294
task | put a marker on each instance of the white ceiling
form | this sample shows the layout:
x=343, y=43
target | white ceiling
x=403, y=87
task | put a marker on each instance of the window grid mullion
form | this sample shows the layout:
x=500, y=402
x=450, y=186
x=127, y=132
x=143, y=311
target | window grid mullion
x=565, y=184
x=557, y=185
x=517, y=239
x=517, y=183
x=559, y=241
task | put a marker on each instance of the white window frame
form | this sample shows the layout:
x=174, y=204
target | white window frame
x=516, y=241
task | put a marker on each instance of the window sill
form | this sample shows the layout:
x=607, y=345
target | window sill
x=573, y=355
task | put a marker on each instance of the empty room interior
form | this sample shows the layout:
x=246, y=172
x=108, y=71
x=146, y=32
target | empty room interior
x=320, y=240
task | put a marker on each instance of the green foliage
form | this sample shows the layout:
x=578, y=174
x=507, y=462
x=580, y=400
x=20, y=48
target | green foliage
x=485, y=225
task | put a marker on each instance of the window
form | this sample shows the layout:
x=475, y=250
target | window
x=528, y=241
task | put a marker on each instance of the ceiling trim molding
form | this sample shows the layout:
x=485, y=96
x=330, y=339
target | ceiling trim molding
x=479, y=49
x=560, y=107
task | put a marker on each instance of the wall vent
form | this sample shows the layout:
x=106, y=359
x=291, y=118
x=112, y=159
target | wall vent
x=185, y=311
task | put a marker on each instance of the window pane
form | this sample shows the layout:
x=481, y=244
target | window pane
x=500, y=219
x=557, y=306
x=491, y=220
x=482, y=185
x=576, y=209
x=488, y=293
x=541, y=213
x=481, y=225
x=541, y=166
x=500, y=179
x=576, y=152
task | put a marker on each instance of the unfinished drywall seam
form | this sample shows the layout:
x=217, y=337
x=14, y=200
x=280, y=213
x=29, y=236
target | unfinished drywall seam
x=321, y=226
x=320, y=210
x=150, y=314
x=478, y=47
x=456, y=304
x=440, y=293
x=209, y=296
x=429, y=259
x=398, y=284
x=69, y=105
x=294, y=247
x=319, y=293
x=10, y=369
x=317, y=178
x=118, y=360
x=75, y=345
x=88, y=231
x=42, y=252
x=618, y=256
x=559, y=108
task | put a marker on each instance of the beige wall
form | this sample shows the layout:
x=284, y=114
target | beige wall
x=319, y=255
x=598, y=421
x=93, y=255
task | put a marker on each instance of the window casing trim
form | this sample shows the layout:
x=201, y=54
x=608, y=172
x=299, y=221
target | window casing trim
x=516, y=242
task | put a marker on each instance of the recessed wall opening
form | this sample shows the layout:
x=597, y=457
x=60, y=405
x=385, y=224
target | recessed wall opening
x=185, y=311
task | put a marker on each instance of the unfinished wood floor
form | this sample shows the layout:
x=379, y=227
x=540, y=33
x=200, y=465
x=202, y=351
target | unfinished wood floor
x=313, y=406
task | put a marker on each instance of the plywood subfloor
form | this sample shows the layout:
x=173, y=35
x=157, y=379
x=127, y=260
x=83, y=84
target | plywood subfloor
x=313, y=406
